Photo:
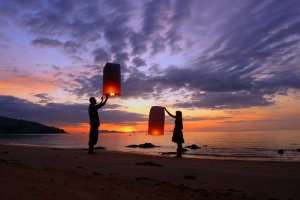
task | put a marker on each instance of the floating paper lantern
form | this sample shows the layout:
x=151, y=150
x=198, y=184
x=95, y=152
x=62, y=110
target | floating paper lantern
x=112, y=79
x=156, y=120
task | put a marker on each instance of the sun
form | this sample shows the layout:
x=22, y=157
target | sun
x=127, y=129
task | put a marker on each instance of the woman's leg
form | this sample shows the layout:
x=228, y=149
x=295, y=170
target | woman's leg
x=179, y=150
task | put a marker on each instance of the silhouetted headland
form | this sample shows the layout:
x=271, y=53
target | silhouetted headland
x=18, y=126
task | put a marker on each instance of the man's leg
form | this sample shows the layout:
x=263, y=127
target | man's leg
x=96, y=133
x=91, y=140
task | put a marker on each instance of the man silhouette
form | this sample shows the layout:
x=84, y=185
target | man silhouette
x=94, y=121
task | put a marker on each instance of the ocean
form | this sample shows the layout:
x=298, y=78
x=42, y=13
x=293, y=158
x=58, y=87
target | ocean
x=252, y=145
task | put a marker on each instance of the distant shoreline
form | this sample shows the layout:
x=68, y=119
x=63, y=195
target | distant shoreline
x=159, y=154
x=34, y=133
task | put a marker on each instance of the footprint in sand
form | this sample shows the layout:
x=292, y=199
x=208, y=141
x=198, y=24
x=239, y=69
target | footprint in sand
x=143, y=179
x=149, y=163
x=190, y=177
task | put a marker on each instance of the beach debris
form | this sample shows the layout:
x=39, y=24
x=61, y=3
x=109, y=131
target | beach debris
x=80, y=167
x=149, y=163
x=96, y=173
x=190, y=177
x=232, y=190
x=174, y=152
x=99, y=147
x=145, y=145
x=193, y=146
x=280, y=151
x=114, y=174
x=132, y=146
x=168, y=153
x=143, y=178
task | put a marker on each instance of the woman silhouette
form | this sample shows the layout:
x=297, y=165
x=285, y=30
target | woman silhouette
x=177, y=133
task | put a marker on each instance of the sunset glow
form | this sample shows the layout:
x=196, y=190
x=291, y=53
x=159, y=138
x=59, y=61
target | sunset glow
x=220, y=68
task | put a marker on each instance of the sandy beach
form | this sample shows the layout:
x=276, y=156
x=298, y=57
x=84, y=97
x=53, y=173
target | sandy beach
x=48, y=173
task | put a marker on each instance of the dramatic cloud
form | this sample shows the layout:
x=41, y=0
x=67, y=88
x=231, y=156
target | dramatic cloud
x=58, y=113
x=44, y=98
x=225, y=56
x=46, y=42
x=227, y=100
x=101, y=55
x=252, y=57
x=138, y=62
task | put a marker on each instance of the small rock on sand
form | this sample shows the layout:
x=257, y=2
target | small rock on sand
x=96, y=173
x=193, y=146
x=190, y=177
x=145, y=145
x=99, y=147
x=133, y=146
x=280, y=151
x=149, y=163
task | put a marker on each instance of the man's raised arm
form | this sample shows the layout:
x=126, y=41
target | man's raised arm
x=102, y=103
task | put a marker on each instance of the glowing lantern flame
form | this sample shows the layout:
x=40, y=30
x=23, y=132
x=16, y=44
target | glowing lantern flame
x=156, y=132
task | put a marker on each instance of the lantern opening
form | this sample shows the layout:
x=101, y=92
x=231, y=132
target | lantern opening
x=111, y=94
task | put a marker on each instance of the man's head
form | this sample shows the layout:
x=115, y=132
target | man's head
x=93, y=100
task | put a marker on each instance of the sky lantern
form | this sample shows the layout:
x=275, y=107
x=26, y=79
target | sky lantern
x=112, y=79
x=156, y=120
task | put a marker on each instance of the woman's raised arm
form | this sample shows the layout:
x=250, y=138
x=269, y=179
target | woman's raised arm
x=169, y=113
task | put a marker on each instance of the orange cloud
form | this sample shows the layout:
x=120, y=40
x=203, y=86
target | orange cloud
x=25, y=86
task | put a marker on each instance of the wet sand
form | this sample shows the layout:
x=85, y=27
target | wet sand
x=48, y=173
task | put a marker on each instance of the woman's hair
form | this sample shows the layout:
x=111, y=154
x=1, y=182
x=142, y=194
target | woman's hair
x=179, y=115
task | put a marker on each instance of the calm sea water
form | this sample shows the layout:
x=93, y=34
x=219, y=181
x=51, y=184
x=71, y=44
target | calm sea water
x=217, y=145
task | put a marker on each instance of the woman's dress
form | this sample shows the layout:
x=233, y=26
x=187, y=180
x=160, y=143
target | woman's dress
x=177, y=133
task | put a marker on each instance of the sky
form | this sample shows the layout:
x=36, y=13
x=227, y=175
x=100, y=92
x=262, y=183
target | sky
x=230, y=65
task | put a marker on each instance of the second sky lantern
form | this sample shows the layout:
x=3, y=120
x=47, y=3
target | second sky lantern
x=156, y=120
x=112, y=79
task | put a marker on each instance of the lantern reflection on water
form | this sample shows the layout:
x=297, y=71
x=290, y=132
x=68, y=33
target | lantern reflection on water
x=156, y=120
x=112, y=79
